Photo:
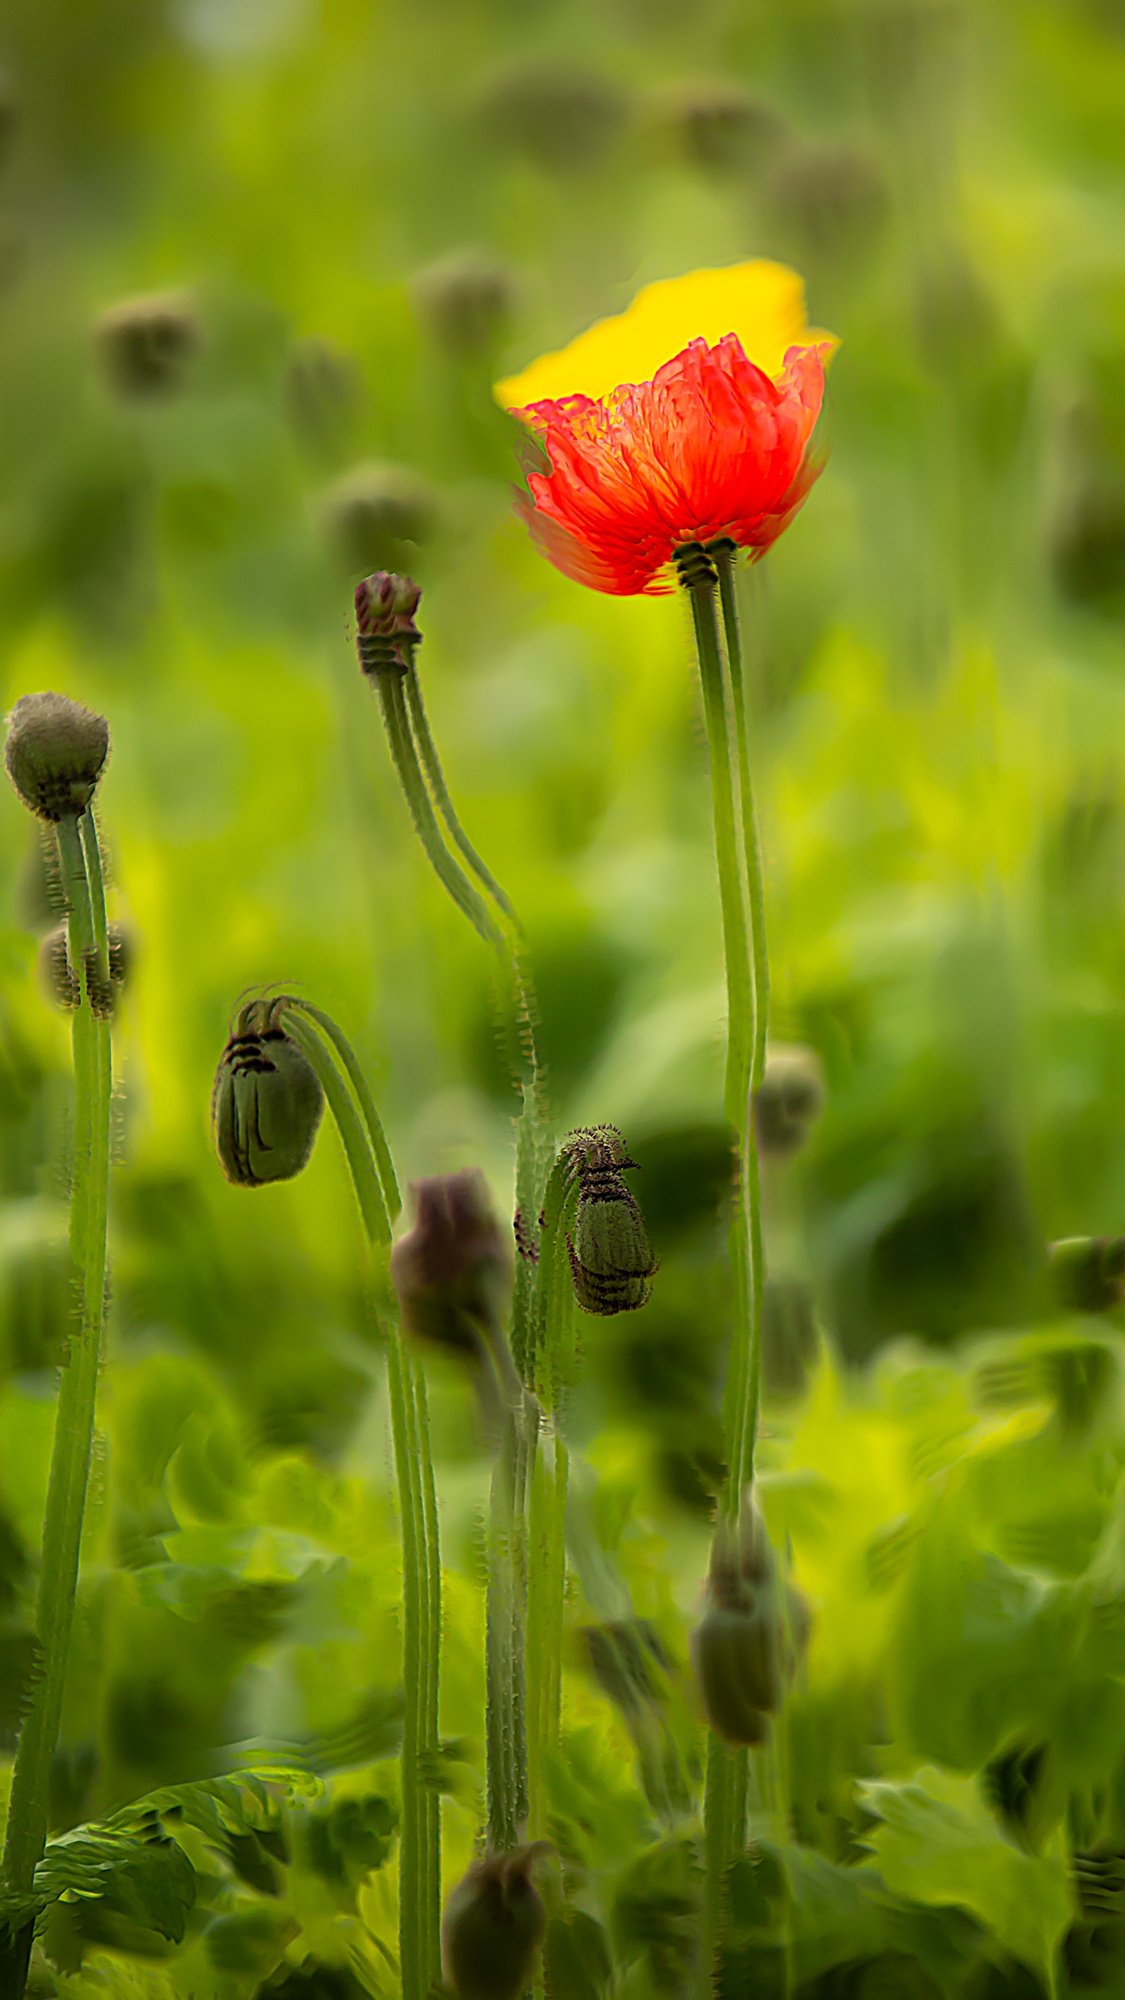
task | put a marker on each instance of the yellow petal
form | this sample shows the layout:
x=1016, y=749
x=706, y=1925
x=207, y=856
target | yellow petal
x=763, y=303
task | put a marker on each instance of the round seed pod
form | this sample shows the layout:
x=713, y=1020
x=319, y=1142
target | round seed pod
x=465, y=301
x=267, y=1100
x=720, y=128
x=559, y=115
x=494, y=1926
x=377, y=516
x=54, y=753
x=789, y=1099
x=146, y=343
x=1088, y=1272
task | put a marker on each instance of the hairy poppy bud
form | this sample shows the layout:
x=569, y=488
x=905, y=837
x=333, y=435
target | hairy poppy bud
x=55, y=753
x=465, y=301
x=789, y=1099
x=829, y=197
x=146, y=343
x=720, y=128
x=493, y=1927
x=611, y=1260
x=267, y=1101
x=384, y=609
x=377, y=516
x=1088, y=1272
x=453, y=1270
x=744, y=1649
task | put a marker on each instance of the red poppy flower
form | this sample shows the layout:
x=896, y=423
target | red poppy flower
x=712, y=446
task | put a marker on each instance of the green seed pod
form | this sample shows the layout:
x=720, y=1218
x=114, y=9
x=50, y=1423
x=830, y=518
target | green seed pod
x=494, y=1926
x=789, y=1099
x=267, y=1101
x=611, y=1260
x=1088, y=1272
x=377, y=516
x=147, y=343
x=54, y=753
x=745, y=1648
x=720, y=128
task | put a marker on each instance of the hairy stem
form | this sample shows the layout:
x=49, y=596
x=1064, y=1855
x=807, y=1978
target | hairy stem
x=74, y=1421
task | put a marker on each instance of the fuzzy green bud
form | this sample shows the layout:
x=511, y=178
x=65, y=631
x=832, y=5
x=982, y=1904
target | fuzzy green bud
x=464, y=302
x=54, y=753
x=267, y=1101
x=147, y=343
x=745, y=1647
x=453, y=1271
x=562, y=116
x=611, y=1260
x=789, y=1099
x=719, y=127
x=377, y=516
x=494, y=1926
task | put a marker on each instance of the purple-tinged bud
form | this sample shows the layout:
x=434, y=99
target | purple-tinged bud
x=385, y=630
x=147, y=343
x=453, y=1271
x=54, y=753
x=745, y=1648
x=494, y=1926
x=789, y=1099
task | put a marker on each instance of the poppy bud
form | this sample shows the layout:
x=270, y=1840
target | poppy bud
x=55, y=753
x=562, y=117
x=267, y=1101
x=377, y=515
x=829, y=197
x=322, y=393
x=1088, y=1272
x=611, y=1260
x=494, y=1926
x=789, y=1099
x=453, y=1270
x=720, y=128
x=146, y=343
x=384, y=609
x=465, y=301
x=744, y=1649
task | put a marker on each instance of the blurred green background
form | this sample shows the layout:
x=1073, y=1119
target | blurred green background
x=369, y=211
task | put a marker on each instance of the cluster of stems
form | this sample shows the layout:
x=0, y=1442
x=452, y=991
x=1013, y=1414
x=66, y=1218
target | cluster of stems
x=707, y=575
x=87, y=943
x=373, y=1177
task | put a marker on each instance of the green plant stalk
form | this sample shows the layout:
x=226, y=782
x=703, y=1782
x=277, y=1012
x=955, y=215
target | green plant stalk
x=506, y=1720
x=419, y=1846
x=431, y=764
x=397, y=720
x=74, y=1421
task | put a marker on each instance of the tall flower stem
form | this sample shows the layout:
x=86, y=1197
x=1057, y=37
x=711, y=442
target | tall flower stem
x=376, y=1189
x=74, y=1420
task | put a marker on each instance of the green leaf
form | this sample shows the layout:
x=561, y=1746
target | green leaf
x=938, y=1843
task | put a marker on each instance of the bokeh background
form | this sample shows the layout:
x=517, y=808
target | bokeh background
x=365, y=213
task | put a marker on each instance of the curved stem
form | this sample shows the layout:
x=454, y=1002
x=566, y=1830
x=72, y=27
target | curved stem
x=431, y=764
x=397, y=721
x=74, y=1420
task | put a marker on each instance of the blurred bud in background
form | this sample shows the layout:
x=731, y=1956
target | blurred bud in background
x=54, y=752
x=789, y=1099
x=378, y=516
x=322, y=396
x=453, y=1271
x=560, y=115
x=790, y=1335
x=955, y=317
x=1088, y=1272
x=57, y=978
x=267, y=1102
x=746, y=1646
x=146, y=344
x=718, y=127
x=1086, y=525
x=494, y=1925
x=465, y=302
x=828, y=200
x=9, y=115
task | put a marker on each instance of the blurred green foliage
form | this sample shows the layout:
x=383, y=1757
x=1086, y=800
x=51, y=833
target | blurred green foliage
x=366, y=213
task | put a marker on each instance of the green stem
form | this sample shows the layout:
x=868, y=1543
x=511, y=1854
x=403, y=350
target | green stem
x=431, y=764
x=375, y=1132
x=397, y=720
x=431, y=1740
x=411, y=1885
x=506, y=1724
x=74, y=1421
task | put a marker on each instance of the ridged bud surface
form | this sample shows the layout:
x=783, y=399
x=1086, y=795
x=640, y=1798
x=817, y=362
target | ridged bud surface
x=267, y=1102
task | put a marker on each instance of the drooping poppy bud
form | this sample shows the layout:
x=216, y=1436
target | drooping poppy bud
x=267, y=1101
x=147, y=343
x=789, y=1099
x=453, y=1270
x=54, y=753
x=465, y=301
x=611, y=1259
x=561, y=116
x=494, y=1926
x=745, y=1647
x=1088, y=1272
